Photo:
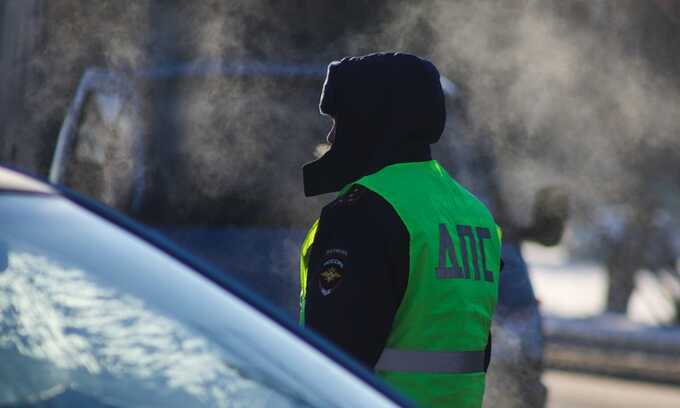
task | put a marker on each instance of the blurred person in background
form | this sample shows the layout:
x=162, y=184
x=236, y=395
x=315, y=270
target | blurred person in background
x=638, y=232
x=640, y=239
x=514, y=377
x=402, y=269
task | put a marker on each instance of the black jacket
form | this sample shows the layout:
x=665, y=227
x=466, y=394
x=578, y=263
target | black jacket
x=363, y=238
x=364, y=243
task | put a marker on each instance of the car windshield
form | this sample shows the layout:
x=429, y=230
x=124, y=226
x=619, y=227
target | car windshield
x=90, y=314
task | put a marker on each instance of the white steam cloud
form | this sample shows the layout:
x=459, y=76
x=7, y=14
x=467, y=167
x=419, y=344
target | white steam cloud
x=567, y=100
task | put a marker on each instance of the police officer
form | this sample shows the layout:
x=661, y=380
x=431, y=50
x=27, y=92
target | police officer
x=402, y=268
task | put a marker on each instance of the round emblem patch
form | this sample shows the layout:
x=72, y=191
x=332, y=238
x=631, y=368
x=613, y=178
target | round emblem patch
x=332, y=272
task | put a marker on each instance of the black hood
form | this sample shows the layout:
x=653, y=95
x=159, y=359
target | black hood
x=381, y=103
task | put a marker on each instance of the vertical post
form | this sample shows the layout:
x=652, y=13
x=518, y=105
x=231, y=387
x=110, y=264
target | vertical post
x=21, y=23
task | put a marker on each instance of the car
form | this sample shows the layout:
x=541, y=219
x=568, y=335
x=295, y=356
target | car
x=98, y=311
x=184, y=149
x=136, y=141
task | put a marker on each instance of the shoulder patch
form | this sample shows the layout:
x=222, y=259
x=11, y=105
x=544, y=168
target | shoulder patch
x=350, y=197
x=333, y=268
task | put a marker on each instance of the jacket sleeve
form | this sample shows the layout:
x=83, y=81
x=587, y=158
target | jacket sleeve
x=358, y=273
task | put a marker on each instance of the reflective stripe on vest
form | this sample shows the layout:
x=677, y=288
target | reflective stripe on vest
x=453, y=362
x=305, y=253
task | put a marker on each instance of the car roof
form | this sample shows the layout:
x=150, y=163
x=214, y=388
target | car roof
x=11, y=180
x=238, y=68
x=243, y=68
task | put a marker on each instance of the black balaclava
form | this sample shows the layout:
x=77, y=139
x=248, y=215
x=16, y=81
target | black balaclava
x=379, y=101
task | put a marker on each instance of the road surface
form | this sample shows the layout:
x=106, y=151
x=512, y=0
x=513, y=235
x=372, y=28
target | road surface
x=569, y=289
x=573, y=390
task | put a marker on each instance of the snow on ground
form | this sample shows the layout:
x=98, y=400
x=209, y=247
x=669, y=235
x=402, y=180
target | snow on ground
x=570, y=288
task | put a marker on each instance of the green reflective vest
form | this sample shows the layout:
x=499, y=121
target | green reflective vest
x=435, y=350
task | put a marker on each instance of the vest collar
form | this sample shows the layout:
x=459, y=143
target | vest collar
x=338, y=168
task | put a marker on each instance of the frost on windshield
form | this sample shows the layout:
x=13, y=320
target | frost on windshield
x=61, y=330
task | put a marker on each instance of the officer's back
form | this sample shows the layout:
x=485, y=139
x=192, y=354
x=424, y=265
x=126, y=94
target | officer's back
x=401, y=270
